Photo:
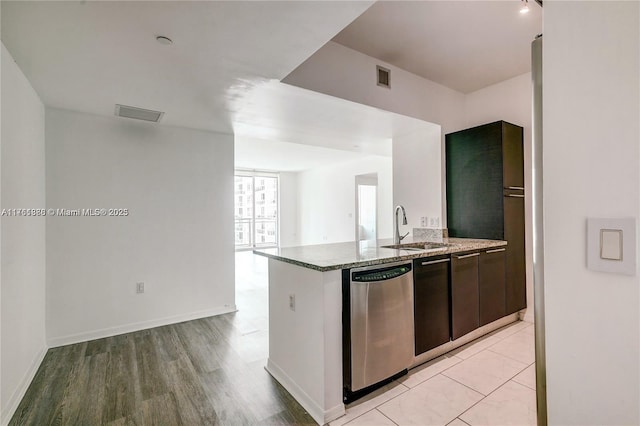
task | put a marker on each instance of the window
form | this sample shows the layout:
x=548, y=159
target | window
x=256, y=227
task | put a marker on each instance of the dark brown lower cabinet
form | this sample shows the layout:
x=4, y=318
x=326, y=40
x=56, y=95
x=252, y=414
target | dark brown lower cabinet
x=492, y=275
x=431, y=303
x=465, y=315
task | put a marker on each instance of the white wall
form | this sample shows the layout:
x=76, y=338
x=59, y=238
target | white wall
x=289, y=209
x=305, y=351
x=417, y=177
x=178, y=237
x=511, y=101
x=327, y=203
x=591, y=68
x=23, y=238
x=345, y=73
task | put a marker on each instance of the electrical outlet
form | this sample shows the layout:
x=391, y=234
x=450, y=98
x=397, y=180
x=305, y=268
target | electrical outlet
x=139, y=288
x=423, y=221
x=292, y=302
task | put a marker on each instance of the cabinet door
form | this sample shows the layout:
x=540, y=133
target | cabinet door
x=464, y=294
x=512, y=155
x=492, y=276
x=516, y=292
x=431, y=298
x=474, y=182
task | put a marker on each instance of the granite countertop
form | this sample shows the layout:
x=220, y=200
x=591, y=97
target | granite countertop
x=329, y=257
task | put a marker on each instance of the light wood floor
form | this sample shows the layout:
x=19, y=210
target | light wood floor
x=203, y=372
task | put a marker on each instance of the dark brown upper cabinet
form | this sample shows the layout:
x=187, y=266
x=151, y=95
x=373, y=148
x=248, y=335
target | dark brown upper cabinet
x=485, y=195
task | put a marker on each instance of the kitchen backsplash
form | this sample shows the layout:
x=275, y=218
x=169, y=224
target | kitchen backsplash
x=430, y=234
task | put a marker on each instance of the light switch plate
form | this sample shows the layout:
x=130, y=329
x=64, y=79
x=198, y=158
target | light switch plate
x=611, y=245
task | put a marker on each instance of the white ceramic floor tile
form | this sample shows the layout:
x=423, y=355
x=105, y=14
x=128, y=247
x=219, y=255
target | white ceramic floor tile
x=427, y=370
x=518, y=346
x=472, y=348
x=531, y=330
x=370, y=402
x=437, y=401
x=485, y=371
x=510, y=329
x=371, y=418
x=457, y=422
x=512, y=404
x=527, y=377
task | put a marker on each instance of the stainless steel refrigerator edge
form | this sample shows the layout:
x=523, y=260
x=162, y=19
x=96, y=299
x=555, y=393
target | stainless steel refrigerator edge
x=538, y=232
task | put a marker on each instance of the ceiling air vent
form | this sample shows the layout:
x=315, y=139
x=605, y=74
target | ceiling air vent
x=384, y=76
x=138, y=113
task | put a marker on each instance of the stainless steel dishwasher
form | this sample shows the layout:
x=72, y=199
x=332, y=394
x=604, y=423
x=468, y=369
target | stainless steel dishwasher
x=381, y=323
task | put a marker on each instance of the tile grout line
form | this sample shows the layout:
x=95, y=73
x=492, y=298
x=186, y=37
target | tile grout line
x=521, y=373
x=407, y=389
x=489, y=336
x=390, y=419
x=486, y=396
x=440, y=373
x=502, y=384
x=493, y=391
x=469, y=387
x=510, y=357
x=458, y=418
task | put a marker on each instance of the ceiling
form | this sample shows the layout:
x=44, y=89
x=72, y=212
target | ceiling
x=270, y=155
x=283, y=127
x=464, y=45
x=223, y=70
x=90, y=55
x=285, y=113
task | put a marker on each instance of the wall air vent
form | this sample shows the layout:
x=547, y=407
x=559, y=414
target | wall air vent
x=384, y=76
x=138, y=113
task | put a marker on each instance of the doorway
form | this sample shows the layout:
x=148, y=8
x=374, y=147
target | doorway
x=367, y=207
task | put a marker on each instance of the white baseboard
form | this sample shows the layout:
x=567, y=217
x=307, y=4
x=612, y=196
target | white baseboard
x=333, y=413
x=320, y=415
x=19, y=392
x=129, y=328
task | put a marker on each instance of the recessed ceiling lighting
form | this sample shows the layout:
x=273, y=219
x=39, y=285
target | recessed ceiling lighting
x=525, y=7
x=164, y=40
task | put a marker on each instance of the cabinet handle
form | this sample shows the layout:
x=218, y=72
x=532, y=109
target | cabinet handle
x=433, y=262
x=514, y=195
x=496, y=250
x=516, y=188
x=468, y=255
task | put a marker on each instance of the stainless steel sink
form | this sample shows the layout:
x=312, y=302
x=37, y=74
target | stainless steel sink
x=418, y=246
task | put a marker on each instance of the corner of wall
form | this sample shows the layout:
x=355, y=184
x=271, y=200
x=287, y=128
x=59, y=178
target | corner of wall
x=16, y=397
x=22, y=269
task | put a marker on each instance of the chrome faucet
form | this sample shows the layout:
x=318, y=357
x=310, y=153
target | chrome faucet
x=396, y=235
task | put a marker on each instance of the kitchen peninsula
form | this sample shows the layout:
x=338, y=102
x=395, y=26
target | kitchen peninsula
x=306, y=304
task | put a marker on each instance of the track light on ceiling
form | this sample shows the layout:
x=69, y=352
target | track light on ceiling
x=525, y=7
